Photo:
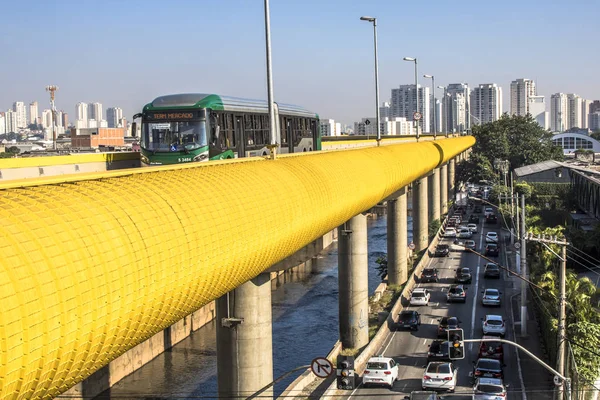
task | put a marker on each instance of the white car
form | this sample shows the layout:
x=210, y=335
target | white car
x=439, y=376
x=420, y=297
x=487, y=211
x=465, y=233
x=380, y=371
x=472, y=227
x=493, y=325
x=491, y=237
x=450, y=233
x=489, y=389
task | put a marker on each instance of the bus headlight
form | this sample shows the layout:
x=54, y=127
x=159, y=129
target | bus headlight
x=144, y=159
x=201, y=157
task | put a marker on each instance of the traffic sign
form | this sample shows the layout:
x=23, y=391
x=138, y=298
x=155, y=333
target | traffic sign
x=367, y=122
x=417, y=116
x=411, y=246
x=557, y=380
x=321, y=367
x=517, y=245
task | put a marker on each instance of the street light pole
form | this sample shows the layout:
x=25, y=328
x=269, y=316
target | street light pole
x=272, y=130
x=374, y=21
x=523, y=270
x=434, y=108
x=444, y=110
x=413, y=59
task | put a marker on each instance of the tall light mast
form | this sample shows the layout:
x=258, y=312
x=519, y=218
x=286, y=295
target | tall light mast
x=52, y=89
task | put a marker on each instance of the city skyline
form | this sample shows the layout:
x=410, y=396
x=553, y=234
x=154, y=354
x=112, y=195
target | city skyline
x=321, y=60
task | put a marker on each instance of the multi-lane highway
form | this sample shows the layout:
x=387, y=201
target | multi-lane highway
x=409, y=348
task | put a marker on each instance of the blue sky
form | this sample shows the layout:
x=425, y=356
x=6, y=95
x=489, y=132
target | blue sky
x=126, y=53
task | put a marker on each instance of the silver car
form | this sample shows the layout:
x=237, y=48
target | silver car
x=491, y=297
x=489, y=389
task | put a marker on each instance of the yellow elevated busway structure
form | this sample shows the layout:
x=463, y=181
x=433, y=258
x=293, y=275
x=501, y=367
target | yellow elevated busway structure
x=94, y=264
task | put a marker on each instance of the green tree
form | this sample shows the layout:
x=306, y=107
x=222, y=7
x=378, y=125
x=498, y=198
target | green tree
x=523, y=188
x=475, y=169
x=518, y=139
x=596, y=135
x=584, y=336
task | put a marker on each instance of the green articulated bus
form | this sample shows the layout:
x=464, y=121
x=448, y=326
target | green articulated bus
x=192, y=127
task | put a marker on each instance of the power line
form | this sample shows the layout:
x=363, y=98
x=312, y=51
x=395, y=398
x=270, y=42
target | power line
x=581, y=251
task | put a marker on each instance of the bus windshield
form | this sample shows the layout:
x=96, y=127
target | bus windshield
x=174, y=136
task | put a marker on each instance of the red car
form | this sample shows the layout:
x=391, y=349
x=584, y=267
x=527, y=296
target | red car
x=493, y=350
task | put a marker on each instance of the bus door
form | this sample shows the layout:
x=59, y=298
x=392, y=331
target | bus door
x=238, y=121
x=287, y=142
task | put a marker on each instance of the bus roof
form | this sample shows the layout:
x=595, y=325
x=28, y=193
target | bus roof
x=223, y=103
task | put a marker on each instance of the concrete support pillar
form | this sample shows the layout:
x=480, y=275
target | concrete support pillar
x=419, y=214
x=433, y=185
x=451, y=174
x=444, y=189
x=397, y=239
x=245, y=339
x=353, y=283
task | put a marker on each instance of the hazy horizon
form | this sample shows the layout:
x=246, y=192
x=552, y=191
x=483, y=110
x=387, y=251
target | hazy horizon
x=125, y=54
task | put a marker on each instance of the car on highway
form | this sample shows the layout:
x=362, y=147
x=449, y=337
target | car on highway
x=492, y=250
x=493, y=325
x=487, y=211
x=380, y=371
x=474, y=219
x=472, y=227
x=464, y=233
x=438, y=351
x=491, y=297
x=440, y=376
x=493, y=350
x=470, y=245
x=450, y=233
x=429, y=275
x=446, y=323
x=491, y=219
x=419, y=297
x=489, y=389
x=422, y=395
x=441, y=250
x=458, y=245
x=456, y=293
x=491, y=270
x=409, y=319
x=477, y=209
x=463, y=275
x=487, y=368
x=491, y=237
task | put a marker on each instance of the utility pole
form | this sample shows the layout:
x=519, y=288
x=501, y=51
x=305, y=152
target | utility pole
x=52, y=89
x=523, y=271
x=562, y=318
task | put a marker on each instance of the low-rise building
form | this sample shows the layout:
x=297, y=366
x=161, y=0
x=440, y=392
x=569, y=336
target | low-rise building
x=97, y=137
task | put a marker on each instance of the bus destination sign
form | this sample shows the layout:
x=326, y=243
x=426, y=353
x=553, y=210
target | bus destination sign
x=172, y=115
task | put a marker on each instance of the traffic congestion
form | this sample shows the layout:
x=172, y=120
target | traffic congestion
x=457, y=289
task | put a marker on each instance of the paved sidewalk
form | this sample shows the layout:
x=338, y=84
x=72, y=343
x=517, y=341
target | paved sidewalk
x=536, y=379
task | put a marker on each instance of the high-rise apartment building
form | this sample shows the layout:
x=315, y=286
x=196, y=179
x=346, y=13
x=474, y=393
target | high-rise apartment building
x=537, y=109
x=327, y=126
x=520, y=91
x=11, y=121
x=95, y=112
x=404, y=103
x=65, y=119
x=594, y=121
x=594, y=106
x=457, y=108
x=585, y=112
x=33, y=112
x=2, y=123
x=574, y=111
x=47, y=119
x=19, y=108
x=81, y=114
x=486, y=103
x=114, y=115
x=559, y=116
x=385, y=110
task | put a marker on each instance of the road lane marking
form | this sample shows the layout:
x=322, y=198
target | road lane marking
x=476, y=294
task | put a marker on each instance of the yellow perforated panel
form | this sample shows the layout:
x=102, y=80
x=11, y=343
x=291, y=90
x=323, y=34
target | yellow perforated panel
x=90, y=268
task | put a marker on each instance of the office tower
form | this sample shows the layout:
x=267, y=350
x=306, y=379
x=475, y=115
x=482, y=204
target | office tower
x=33, y=113
x=11, y=121
x=114, y=116
x=457, y=108
x=558, y=112
x=19, y=108
x=520, y=91
x=574, y=109
x=404, y=105
x=537, y=109
x=486, y=103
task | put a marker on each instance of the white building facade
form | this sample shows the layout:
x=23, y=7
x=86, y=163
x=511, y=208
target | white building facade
x=574, y=106
x=486, y=103
x=559, y=112
x=2, y=123
x=33, y=113
x=403, y=105
x=11, y=121
x=520, y=91
x=21, y=111
x=81, y=115
x=537, y=109
x=114, y=116
x=594, y=121
x=457, y=108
